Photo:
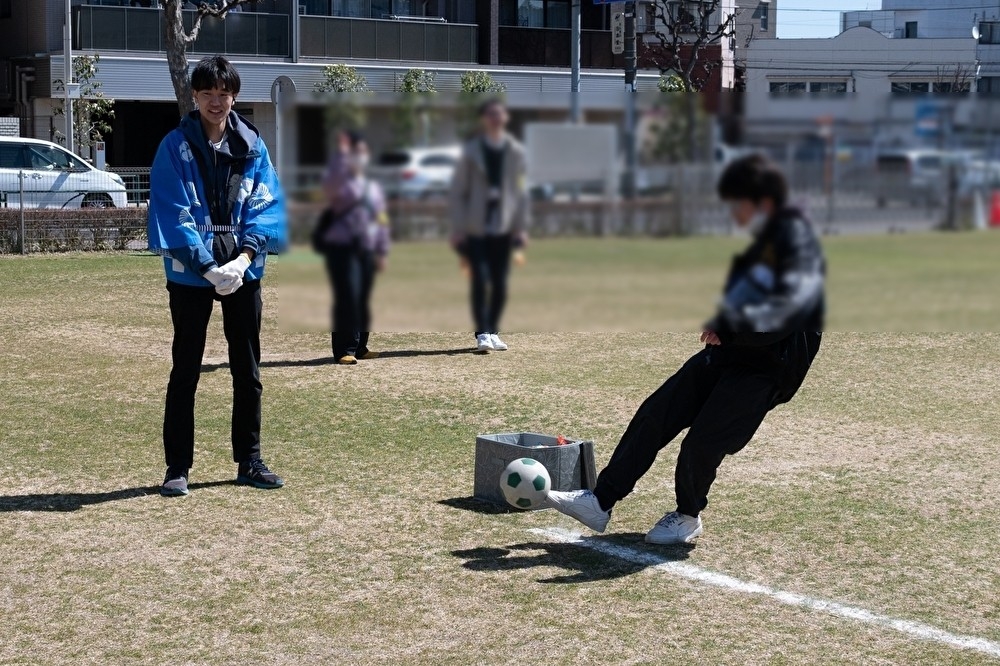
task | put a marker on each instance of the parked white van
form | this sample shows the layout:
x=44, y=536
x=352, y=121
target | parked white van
x=54, y=178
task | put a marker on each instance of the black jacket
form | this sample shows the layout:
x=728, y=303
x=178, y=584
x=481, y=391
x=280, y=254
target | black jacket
x=773, y=306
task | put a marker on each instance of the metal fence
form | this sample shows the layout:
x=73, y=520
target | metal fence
x=48, y=208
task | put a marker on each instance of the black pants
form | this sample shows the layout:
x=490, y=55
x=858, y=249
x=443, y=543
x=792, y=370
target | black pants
x=489, y=263
x=352, y=277
x=190, y=310
x=722, y=405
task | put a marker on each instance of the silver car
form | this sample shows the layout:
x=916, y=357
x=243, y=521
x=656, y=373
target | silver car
x=41, y=174
x=417, y=173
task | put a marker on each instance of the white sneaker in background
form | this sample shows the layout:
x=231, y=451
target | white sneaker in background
x=582, y=505
x=484, y=343
x=498, y=344
x=675, y=528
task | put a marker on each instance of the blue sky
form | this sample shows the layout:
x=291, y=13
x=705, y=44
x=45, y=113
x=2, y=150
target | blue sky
x=816, y=18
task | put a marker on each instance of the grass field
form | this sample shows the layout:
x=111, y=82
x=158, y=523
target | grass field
x=875, y=488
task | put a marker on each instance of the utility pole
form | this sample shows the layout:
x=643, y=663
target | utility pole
x=574, y=63
x=68, y=74
x=631, y=155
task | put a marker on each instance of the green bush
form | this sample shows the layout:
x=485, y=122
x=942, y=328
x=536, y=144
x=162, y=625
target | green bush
x=67, y=230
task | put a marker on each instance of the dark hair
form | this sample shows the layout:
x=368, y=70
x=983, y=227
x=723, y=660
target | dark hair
x=488, y=104
x=753, y=177
x=215, y=72
x=355, y=137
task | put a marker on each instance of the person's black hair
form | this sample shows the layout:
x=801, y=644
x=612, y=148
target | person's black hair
x=753, y=177
x=488, y=104
x=215, y=72
x=355, y=137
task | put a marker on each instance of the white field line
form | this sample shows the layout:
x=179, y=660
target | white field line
x=697, y=574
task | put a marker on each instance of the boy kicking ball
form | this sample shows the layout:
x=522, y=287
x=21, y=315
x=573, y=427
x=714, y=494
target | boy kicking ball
x=758, y=349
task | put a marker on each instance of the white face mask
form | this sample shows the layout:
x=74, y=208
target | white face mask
x=757, y=222
x=358, y=162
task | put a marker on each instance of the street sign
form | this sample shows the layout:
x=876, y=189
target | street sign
x=929, y=120
x=618, y=28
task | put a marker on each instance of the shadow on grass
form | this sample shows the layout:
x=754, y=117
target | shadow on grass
x=329, y=360
x=477, y=505
x=74, y=501
x=589, y=564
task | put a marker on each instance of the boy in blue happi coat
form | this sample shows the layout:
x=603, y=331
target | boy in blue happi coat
x=215, y=211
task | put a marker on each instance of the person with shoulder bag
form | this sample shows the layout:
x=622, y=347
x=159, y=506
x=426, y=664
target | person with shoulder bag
x=353, y=237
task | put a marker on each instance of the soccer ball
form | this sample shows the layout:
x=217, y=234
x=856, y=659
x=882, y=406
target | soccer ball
x=525, y=483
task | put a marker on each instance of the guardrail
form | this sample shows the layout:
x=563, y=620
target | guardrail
x=107, y=28
x=335, y=37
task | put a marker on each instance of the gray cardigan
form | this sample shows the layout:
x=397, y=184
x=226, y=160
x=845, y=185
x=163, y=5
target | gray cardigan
x=470, y=190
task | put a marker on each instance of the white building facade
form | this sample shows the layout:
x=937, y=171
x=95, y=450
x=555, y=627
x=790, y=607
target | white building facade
x=867, y=85
x=974, y=20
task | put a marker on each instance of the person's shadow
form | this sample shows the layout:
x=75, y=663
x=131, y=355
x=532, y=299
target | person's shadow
x=589, y=564
x=74, y=501
x=329, y=360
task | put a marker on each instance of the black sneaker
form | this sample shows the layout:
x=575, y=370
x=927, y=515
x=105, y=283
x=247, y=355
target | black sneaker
x=175, y=483
x=255, y=473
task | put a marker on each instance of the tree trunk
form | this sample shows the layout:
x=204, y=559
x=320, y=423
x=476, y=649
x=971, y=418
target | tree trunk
x=690, y=107
x=176, y=42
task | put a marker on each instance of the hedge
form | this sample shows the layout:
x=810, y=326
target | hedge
x=70, y=230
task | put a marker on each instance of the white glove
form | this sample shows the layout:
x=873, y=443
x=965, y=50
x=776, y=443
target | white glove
x=224, y=283
x=237, y=267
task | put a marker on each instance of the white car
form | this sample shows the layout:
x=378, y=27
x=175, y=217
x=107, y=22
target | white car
x=52, y=177
x=417, y=173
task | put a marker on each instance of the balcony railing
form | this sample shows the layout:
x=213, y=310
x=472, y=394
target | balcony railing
x=106, y=28
x=334, y=37
x=550, y=47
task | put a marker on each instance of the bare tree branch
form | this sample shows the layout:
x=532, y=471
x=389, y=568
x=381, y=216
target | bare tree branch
x=682, y=36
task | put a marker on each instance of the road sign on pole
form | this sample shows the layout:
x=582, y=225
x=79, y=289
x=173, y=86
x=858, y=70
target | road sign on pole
x=618, y=28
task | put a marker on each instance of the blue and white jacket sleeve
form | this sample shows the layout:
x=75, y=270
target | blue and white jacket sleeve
x=173, y=204
x=264, y=222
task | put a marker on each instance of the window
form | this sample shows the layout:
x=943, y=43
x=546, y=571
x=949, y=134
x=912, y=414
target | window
x=911, y=30
x=910, y=87
x=352, y=8
x=952, y=88
x=438, y=161
x=989, y=85
x=989, y=32
x=828, y=87
x=535, y=13
x=764, y=16
x=865, y=24
x=44, y=157
x=788, y=87
x=12, y=156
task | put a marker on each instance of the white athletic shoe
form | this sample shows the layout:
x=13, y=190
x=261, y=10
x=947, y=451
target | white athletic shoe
x=498, y=344
x=484, y=343
x=582, y=505
x=674, y=528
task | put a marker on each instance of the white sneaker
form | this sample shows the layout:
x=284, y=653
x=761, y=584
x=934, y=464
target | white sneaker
x=674, y=528
x=484, y=343
x=582, y=505
x=498, y=344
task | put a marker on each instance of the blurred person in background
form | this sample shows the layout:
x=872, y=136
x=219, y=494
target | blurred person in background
x=758, y=349
x=353, y=237
x=215, y=211
x=489, y=215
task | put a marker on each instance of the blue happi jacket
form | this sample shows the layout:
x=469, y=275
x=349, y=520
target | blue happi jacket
x=180, y=223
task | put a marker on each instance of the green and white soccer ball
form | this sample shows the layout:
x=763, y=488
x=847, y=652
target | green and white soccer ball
x=525, y=483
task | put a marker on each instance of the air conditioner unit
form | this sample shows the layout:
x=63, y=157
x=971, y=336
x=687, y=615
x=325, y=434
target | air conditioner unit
x=898, y=33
